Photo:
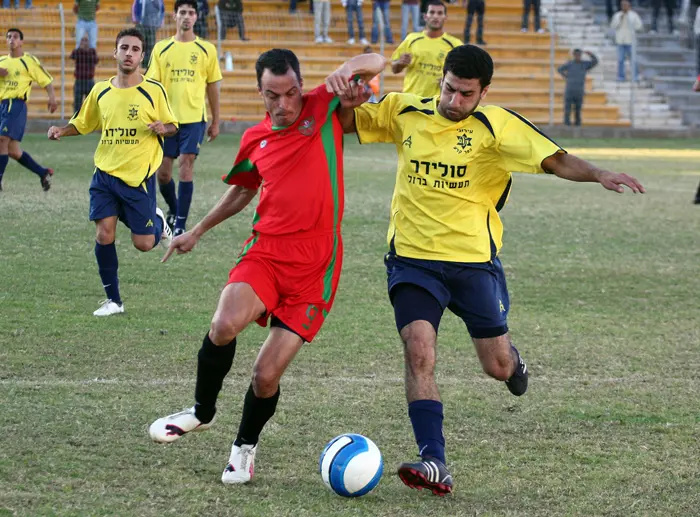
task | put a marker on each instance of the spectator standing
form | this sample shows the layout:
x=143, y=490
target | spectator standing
x=656, y=10
x=231, y=12
x=696, y=88
x=410, y=8
x=384, y=9
x=85, y=62
x=626, y=24
x=696, y=31
x=6, y=4
x=148, y=15
x=531, y=5
x=353, y=9
x=86, y=24
x=477, y=7
x=574, y=71
x=201, y=28
x=322, y=19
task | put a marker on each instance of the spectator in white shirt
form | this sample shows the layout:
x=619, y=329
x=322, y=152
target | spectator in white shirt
x=626, y=24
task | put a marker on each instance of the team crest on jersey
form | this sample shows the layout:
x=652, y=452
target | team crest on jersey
x=133, y=112
x=193, y=58
x=263, y=144
x=463, y=141
x=441, y=56
x=306, y=127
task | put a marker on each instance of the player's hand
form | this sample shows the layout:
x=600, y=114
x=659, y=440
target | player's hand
x=181, y=244
x=3, y=72
x=157, y=127
x=53, y=105
x=213, y=131
x=614, y=181
x=696, y=86
x=405, y=59
x=339, y=81
x=355, y=95
x=54, y=133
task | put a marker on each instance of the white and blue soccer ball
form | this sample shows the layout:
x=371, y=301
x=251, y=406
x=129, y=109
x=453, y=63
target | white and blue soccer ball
x=351, y=465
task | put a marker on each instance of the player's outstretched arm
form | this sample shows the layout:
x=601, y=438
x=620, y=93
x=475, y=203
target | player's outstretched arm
x=357, y=94
x=55, y=132
x=53, y=105
x=233, y=201
x=365, y=65
x=572, y=168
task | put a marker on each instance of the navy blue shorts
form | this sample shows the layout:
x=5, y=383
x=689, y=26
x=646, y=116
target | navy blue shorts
x=134, y=206
x=186, y=141
x=13, y=118
x=476, y=292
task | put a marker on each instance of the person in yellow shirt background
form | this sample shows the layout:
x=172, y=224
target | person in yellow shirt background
x=422, y=54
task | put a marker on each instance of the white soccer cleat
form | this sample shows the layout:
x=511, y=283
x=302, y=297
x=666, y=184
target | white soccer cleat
x=108, y=307
x=241, y=465
x=171, y=427
x=167, y=236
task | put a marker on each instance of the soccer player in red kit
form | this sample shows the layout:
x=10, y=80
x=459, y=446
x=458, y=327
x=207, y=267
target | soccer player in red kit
x=289, y=268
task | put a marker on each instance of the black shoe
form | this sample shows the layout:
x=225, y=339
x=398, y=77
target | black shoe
x=696, y=202
x=46, y=182
x=517, y=384
x=170, y=220
x=428, y=473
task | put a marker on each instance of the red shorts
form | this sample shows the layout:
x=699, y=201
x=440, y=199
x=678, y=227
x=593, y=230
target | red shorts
x=295, y=277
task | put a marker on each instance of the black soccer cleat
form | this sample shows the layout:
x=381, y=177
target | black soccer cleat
x=517, y=384
x=170, y=220
x=428, y=473
x=46, y=180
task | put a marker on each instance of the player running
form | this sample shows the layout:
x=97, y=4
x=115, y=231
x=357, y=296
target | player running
x=134, y=116
x=289, y=268
x=188, y=67
x=18, y=70
x=453, y=177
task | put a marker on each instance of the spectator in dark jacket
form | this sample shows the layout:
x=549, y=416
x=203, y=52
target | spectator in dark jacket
x=231, y=12
x=85, y=59
x=148, y=15
x=574, y=72
x=201, y=28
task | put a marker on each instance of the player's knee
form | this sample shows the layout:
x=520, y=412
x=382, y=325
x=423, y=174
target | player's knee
x=104, y=236
x=145, y=244
x=15, y=154
x=499, y=367
x=419, y=352
x=163, y=175
x=265, y=381
x=223, y=330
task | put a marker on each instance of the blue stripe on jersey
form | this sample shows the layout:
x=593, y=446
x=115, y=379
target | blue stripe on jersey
x=166, y=48
x=485, y=121
x=532, y=126
x=203, y=49
x=145, y=94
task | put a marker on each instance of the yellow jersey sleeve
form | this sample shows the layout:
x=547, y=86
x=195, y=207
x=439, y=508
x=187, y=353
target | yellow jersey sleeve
x=153, y=71
x=401, y=49
x=38, y=73
x=376, y=122
x=88, y=119
x=213, y=68
x=523, y=146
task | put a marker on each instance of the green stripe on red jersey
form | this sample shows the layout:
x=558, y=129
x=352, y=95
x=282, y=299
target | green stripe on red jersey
x=244, y=166
x=328, y=139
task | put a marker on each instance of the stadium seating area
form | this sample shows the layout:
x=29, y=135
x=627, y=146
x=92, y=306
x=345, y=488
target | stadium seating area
x=522, y=60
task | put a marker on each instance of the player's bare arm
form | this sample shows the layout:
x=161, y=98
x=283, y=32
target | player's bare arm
x=162, y=129
x=365, y=65
x=402, y=62
x=55, y=132
x=213, y=98
x=572, y=168
x=53, y=105
x=233, y=201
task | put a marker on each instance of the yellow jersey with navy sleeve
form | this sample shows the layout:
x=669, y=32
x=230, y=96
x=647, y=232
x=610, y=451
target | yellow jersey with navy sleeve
x=128, y=149
x=452, y=178
x=427, y=59
x=185, y=69
x=21, y=73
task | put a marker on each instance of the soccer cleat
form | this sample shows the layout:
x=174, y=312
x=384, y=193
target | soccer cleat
x=517, y=384
x=178, y=231
x=428, y=473
x=108, y=307
x=46, y=180
x=167, y=236
x=172, y=427
x=170, y=219
x=241, y=465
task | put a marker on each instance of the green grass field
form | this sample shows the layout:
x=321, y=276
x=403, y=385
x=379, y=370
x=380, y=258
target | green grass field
x=604, y=291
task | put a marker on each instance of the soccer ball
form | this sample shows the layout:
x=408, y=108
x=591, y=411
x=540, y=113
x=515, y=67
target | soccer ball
x=351, y=465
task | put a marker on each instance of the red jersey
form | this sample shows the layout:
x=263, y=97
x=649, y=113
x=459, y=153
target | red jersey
x=300, y=168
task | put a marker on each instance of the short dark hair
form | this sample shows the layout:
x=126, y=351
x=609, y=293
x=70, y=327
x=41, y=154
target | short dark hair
x=14, y=29
x=277, y=61
x=436, y=3
x=131, y=31
x=191, y=3
x=469, y=62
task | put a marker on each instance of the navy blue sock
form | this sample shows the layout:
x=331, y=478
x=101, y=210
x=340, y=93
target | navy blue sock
x=184, y=200
x=168, y=192
x=426, y=418
x=27, y=161
x=158, y=228
x=3, y=164
x=107, y=265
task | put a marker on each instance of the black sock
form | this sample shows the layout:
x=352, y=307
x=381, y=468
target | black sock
x=256, y=412
x=213, y=363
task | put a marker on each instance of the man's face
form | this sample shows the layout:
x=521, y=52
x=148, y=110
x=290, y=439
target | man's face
x=13, y=40
x=625, y=6
x=129, y=54
x=577, y=55
x=459, y=97
x=282, y=96
x=435, y=17
x=185, y=17
x=85, y=43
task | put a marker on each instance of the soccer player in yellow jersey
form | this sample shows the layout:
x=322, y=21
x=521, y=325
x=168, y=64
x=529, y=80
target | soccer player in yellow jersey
x=453, y=177
x=188, y=67
x=18, y=71
x=423, y=53
x=134, y=116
